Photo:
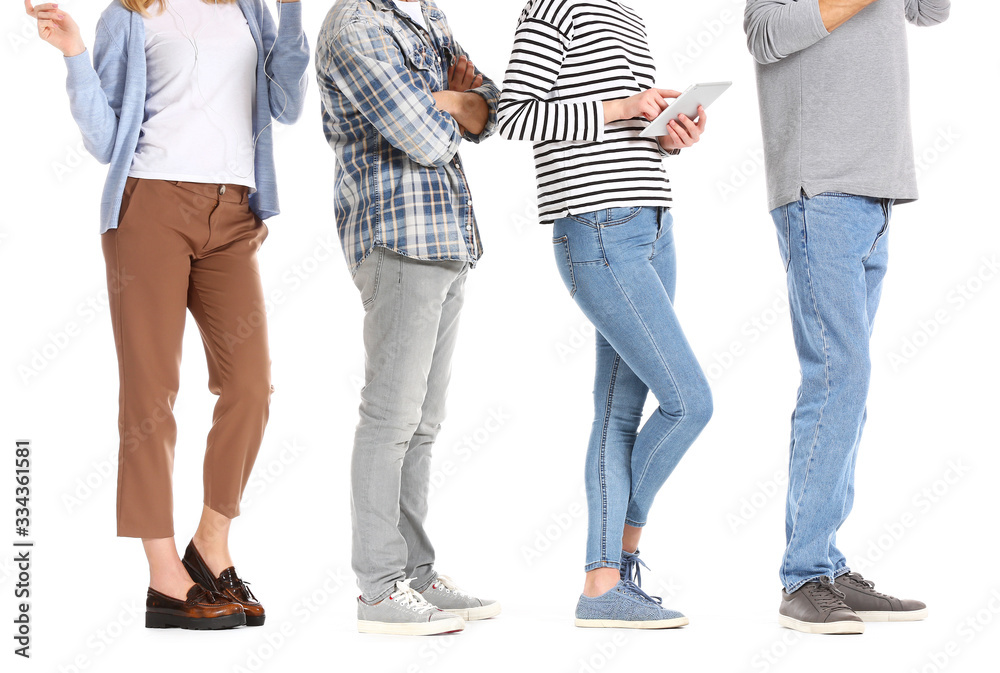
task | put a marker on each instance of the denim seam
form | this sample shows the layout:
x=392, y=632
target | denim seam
x=602, y=564
x=602, y=457
x=378, y=599
x=881, y=233
x=376, y=279
x=826, y=357
x=426, y=585
x=563, y=241
x=634, y=524
x=381, y=424
x=663, y=362
x=798, y=585
x=788, y=240
x=615, y=223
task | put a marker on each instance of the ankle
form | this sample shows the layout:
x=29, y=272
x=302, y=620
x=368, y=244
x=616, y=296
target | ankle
x=175, y=583
x=215, y=553
x=600, y=581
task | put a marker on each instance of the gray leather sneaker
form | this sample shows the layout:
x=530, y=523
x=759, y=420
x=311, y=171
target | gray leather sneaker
x=873, y=606
x=406, y=613
x=818, y=607
x=444, y=594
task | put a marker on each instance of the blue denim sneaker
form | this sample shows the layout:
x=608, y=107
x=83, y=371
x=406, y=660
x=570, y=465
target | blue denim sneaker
x=626, y=606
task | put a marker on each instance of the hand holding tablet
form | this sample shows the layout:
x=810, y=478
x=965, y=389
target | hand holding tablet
x=687, y=103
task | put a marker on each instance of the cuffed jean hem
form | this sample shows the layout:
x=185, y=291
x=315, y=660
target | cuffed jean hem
x=602, y=564
x=634, y=524
x=798, y=585
x=378, y=599
x=423, y=586
x=842, y=571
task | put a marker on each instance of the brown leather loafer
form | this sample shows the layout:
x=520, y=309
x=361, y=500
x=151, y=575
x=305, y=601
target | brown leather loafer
x=202, y=610
x=228, y=584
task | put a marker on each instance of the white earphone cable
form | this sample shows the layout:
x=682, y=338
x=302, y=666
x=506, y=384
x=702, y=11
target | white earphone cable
x=197, y=79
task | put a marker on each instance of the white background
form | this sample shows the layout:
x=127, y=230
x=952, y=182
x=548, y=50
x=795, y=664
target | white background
x=508, y=514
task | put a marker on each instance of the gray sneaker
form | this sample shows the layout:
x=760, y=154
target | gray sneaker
x=444, y=594
x=406, y=613
x=873, y=606
x=818, y=607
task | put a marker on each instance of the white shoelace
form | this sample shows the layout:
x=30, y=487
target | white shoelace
x=448, y=584
x=406, y=596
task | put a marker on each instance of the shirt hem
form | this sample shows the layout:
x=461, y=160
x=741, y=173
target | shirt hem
x=569, y=211
x=899, y=195
x=472, y=260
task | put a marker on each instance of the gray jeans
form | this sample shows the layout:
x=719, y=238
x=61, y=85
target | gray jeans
x=412, y=309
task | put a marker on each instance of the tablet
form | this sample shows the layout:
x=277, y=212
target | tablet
x=687, y=103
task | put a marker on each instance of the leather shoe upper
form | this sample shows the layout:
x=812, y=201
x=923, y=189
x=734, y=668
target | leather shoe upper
x=199, y=603
x=228, y=583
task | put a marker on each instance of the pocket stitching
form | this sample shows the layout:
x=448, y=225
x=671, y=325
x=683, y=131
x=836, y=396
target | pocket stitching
x=631, y=216
x=564, y=242
x=378, y=276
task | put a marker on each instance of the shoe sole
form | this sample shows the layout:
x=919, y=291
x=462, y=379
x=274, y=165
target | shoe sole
x=159, y=620
x=631, y=624
x=417, y=629
x=829, y=628
x=893, y=615
x=256, y=621
x=473, y=614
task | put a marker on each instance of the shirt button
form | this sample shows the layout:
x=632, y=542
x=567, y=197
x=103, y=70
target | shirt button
x=468, y=227
x=222, y=190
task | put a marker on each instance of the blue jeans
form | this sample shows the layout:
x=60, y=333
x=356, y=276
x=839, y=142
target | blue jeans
x=834, y=249
x=620, y=267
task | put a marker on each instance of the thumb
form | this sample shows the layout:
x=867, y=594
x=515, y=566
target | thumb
x=669, y=93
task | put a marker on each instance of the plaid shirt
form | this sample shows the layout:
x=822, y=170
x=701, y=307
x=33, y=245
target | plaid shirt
x=399, y=182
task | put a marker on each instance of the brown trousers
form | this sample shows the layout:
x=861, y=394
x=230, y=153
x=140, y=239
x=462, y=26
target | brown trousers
x=183, y=246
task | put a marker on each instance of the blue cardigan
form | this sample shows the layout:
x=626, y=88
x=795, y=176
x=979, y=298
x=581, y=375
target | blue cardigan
x=108, y=99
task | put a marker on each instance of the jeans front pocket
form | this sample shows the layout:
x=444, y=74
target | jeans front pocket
x=783, y=227
x=887, y=212
x=617, y=216
x=368, y=275
x=564, y=262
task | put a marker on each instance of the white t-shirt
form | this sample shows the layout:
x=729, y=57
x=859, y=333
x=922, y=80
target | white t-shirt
x=412, y=9
x=201, y=65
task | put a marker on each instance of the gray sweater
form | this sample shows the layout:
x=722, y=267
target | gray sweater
x=835, y=107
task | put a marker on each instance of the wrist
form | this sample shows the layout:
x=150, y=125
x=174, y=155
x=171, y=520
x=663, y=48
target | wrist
x=612, y=110
x=75, y=50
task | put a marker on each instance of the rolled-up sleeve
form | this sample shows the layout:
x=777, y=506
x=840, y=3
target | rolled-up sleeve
x=490, y=93
x=776, y=29
x=927, y=12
